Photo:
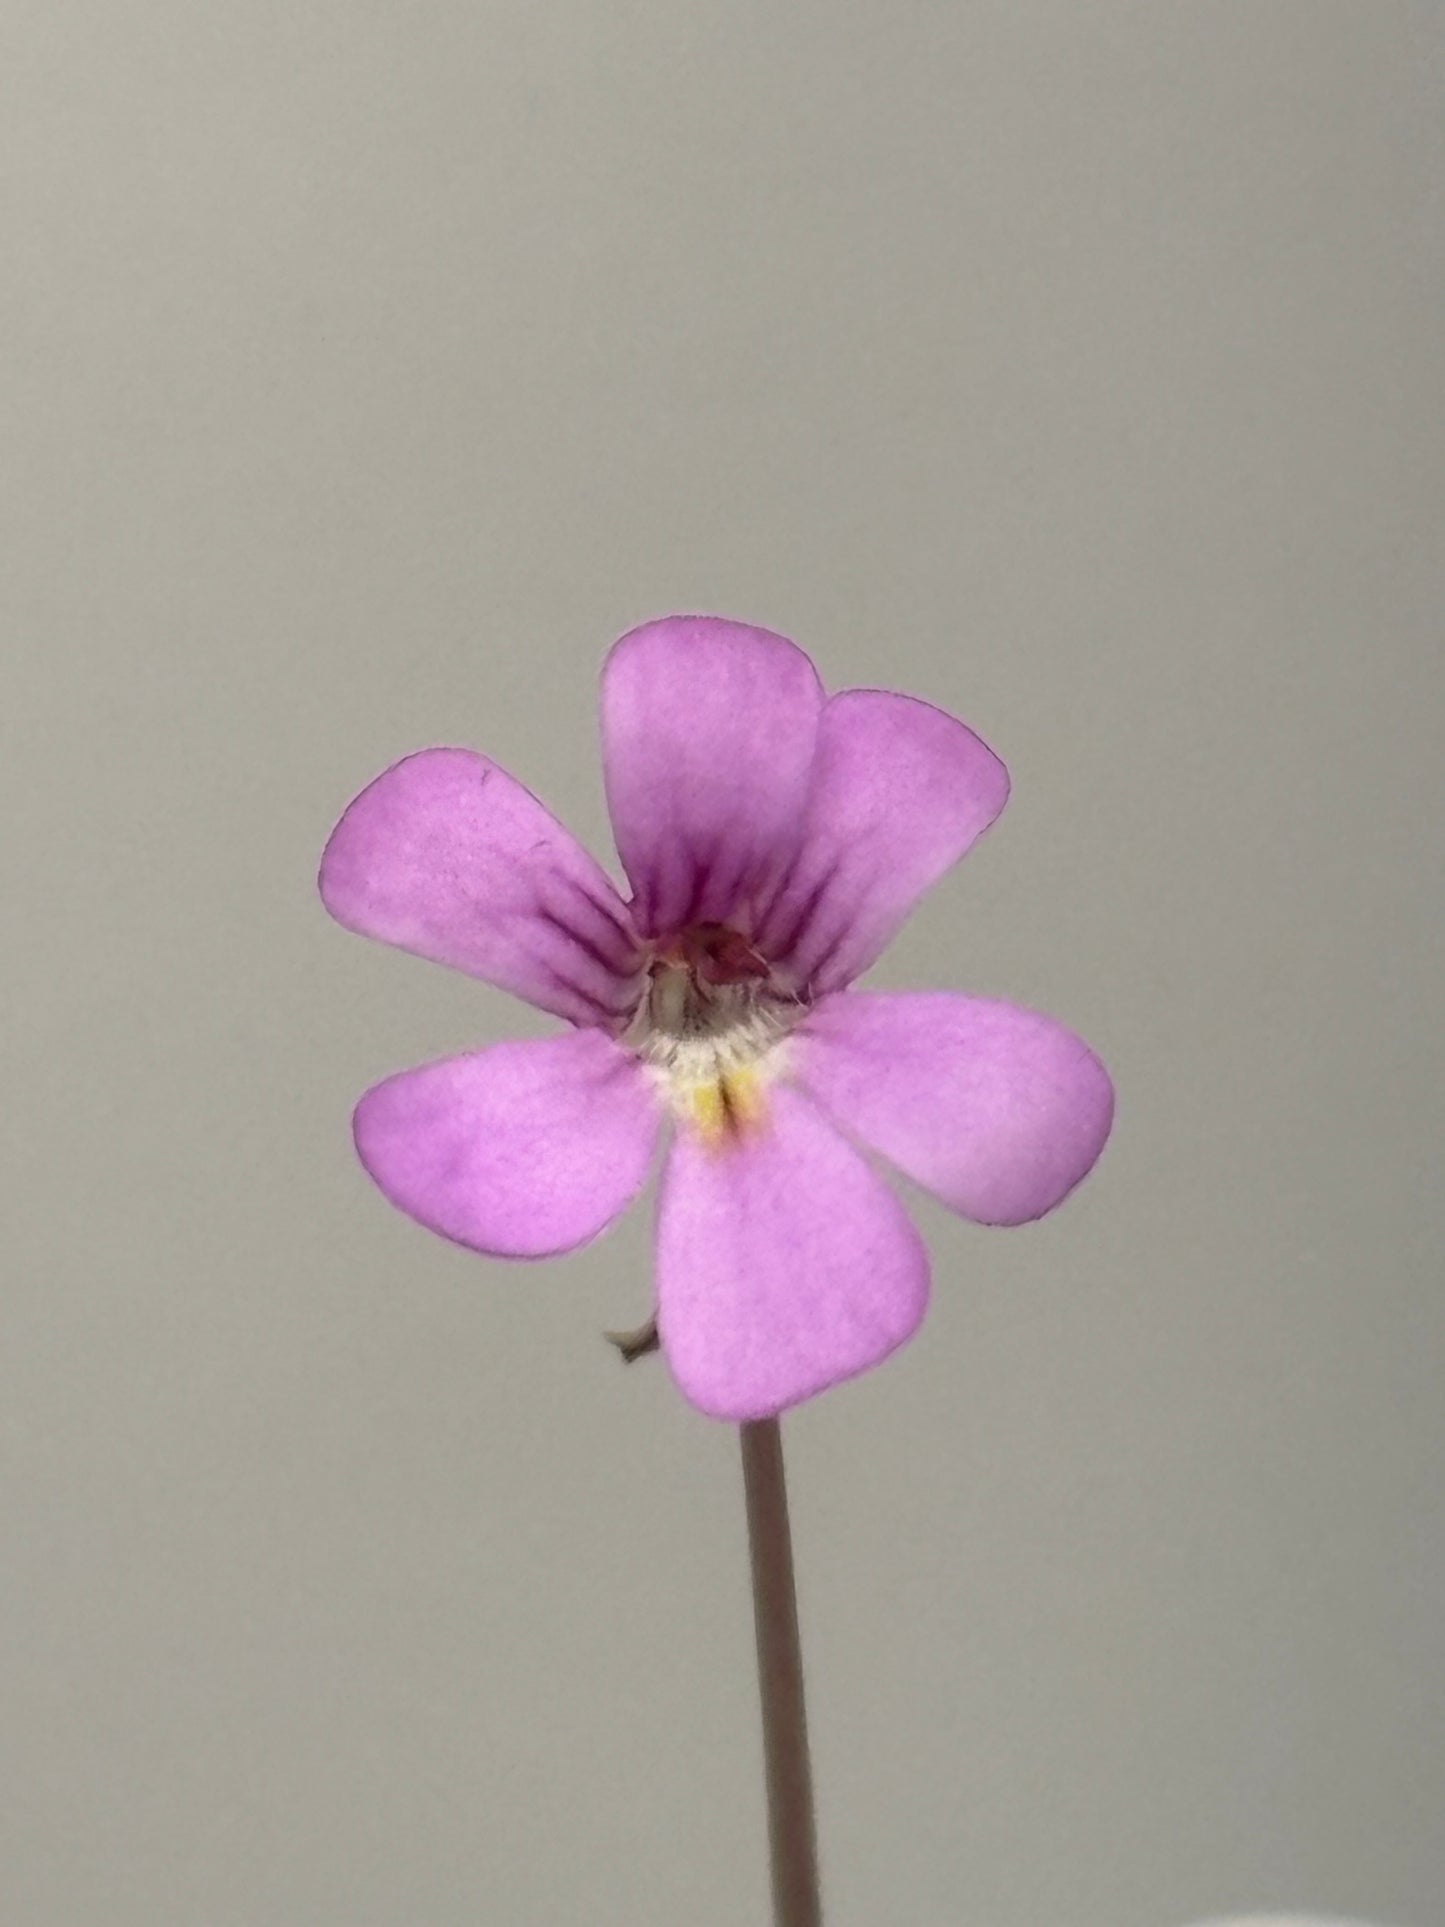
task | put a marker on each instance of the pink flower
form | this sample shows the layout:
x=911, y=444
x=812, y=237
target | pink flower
x=775, y=838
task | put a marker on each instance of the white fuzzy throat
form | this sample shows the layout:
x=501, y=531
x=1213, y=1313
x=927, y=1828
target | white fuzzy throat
x=692, y=1028
x=713, y=1046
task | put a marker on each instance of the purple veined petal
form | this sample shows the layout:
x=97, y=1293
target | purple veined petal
x=784, y=1264
x=521, y=1150
x=900, y=791
x=448, y=856
x=995, y=1109
x=708, y=733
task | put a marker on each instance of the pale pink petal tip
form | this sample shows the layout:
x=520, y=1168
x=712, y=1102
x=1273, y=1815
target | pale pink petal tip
x=899, y=792
x=520, y=1151
x=448, y=856
x=997, y=1110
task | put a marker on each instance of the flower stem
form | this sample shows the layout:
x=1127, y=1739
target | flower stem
x=791, y=1836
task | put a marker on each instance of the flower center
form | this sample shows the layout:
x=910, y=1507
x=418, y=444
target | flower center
x=709, y=1024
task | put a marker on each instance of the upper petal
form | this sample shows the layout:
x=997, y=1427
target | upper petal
x=521, y=1150
x=900, y=790
x=997, y=1110
x=708, y=733
x=784, y=1264
x=448, y=856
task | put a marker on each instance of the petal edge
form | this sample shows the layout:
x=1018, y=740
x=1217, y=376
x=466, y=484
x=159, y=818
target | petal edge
x=446, y=855
x=523, y=1150
x=785, y=1265
x=997, y=1110
x=708, y=734
x=900, y=791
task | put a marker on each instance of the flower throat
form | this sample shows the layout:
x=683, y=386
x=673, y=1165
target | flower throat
x=709, y=1021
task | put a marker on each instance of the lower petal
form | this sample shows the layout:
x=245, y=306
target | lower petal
x=995, y=1109
x=522, y=1150
x=784, y=1262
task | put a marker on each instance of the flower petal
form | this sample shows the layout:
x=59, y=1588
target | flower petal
x=996, y=1110
x=708, y=732
x=900, y=790
x=521, y=1150
x=784, y=1264
x=448, y=856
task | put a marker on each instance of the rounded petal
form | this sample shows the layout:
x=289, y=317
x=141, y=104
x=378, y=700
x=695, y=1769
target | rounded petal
x=996, y=1110
x=447, y=856
x=708, y=733
x=900, y=791
x=522, y=1150
x=784, y=1264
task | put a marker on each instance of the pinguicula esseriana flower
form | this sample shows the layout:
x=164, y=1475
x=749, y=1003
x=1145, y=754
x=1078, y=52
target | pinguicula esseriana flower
x=774, y=839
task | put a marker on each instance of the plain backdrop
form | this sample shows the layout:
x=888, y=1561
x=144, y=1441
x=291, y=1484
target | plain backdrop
x=367, y=367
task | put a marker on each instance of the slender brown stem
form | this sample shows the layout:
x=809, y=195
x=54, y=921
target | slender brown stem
x=791, y=1836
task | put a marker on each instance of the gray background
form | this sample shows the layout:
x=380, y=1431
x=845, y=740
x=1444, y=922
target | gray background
x=367, y=367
